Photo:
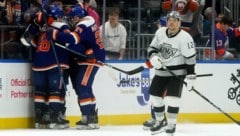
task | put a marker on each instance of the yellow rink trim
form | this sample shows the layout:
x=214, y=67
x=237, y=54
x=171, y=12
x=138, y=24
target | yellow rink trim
x=134, y=119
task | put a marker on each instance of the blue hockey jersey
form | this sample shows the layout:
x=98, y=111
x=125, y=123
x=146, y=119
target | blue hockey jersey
x=86, y=36
x=44, y=57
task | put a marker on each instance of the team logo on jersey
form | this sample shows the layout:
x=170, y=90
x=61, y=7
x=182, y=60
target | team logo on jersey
x=234, y=92
x=167, y=51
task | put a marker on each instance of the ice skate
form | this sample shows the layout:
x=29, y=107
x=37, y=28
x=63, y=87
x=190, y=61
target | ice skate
x=170, y=130
x=158, y=127
x=148, y=124
x=56, y=121
x=39, y=125
x=42, y=121
x=88, y=122
x=66, y=122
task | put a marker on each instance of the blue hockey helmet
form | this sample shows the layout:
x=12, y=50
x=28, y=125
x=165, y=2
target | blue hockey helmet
x=77, y=10
x=55, y=11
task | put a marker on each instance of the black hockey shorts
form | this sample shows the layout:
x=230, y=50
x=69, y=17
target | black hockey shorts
x=166, y=86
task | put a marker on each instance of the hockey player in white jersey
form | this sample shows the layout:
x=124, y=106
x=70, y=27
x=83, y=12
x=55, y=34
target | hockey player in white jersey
x=172, y=53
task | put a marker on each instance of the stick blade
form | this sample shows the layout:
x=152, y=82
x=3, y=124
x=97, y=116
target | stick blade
x=135, y=71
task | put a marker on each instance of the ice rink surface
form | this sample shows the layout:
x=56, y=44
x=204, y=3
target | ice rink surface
x=231, y=129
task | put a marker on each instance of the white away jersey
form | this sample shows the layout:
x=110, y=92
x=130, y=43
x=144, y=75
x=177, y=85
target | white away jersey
x=175, y=51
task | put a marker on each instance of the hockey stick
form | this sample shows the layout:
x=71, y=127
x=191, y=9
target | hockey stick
x=202, y=96
x=201, y=75
x=215, y=106
x=130, y=72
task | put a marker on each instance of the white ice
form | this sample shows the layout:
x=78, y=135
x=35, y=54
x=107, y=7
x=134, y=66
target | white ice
x=230, y=129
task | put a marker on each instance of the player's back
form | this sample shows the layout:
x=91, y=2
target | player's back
x=44, y=57
x=90, y=37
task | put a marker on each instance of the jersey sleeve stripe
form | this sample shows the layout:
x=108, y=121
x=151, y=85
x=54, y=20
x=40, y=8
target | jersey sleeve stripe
x=76, y=37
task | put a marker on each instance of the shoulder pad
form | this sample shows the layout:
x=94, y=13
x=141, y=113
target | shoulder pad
x=58, y=24
x=87, y=22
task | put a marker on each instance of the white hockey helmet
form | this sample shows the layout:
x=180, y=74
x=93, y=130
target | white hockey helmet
x=174, y=14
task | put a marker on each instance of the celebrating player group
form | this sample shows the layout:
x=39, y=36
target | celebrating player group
x=68, y=44
x=53, y=65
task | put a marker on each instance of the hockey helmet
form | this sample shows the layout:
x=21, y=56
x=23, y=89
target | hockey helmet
x=55, y=11
x=77, y=10
x=174, y=14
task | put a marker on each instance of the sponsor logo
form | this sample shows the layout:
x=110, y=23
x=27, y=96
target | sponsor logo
x=145, y=83
x=234, y=92
x=20, y=82
x=20, y=88
x=128, y=81
x=136, y=81
x=20, y=94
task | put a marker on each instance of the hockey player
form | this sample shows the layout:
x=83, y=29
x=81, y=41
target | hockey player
x=85, y=39
x=173, y=55
x=48, y=66
x=150, y=122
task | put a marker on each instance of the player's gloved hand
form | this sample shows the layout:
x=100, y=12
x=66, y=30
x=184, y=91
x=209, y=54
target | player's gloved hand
x=148, y=64
x=156, y=62
x=24, y=41
x=90, y=56
x=190, y=80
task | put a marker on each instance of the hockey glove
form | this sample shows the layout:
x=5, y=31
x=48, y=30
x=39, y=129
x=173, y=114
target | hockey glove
x=148, y=64
x=190, y=80
x=24, y=41
x=90, y=56
x=156, y=62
